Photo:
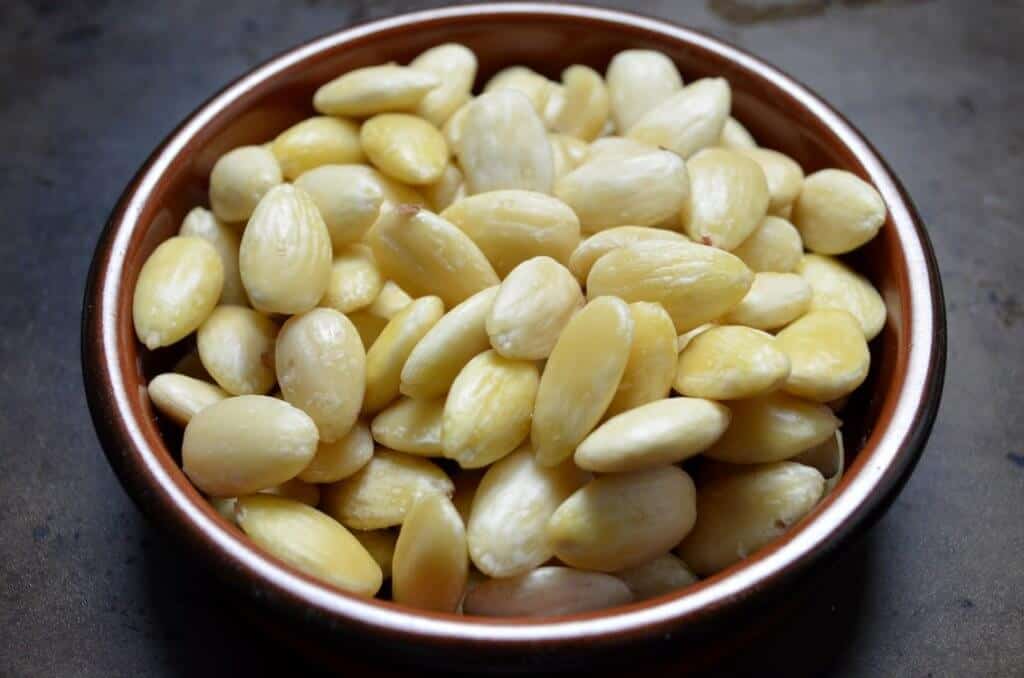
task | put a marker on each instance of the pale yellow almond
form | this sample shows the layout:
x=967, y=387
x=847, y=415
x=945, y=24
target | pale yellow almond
x=426, y=254
x=285, y=255
x=487, y=154
x=368, y=326
x=430, y=564
x=507, y=527
x=773, y=301
x=728, y=200
x=533, y=306
x=245, y=444
x=665, y=574
x=349, y=198
x=828, y=353
x=411, y=425
x=640, y=190
x=512, y=226
x=322, y=368
x=828, y=458
x=652, y=359
x=731, y=362
x=684, y=339
x=600, y=244
x=688, y=120
x=296, y=490
x=355, y=281
x=771, y=428
x=784, y=175
x=694, y=283
x=586, y=106
x=735, y=135
x=567, y=152
x=236, y=345
x=179, y=397
x=618, y=147
x=382, y=492
x=321, y=140
x=835, y=285
x=546, y=591
x=487, y=412
x=380, y=544
x=535, y=87
x=774, y=246
x=553, y=107
x=742, y=512
x=455, y=68
x=240, y=179
x=445, y=349
x=624, y=519
x=580, y=378
x=341, y=458
x=450, y=188
x=374, y=89
x=389, y=301
x=387, y=355
x=202, y=223
x=837, y=212
x=405, y=147
x=310, y=541
x=177, y=289
x=466, y=483
x=452, y=129
x=638, y=81
x=662, y=432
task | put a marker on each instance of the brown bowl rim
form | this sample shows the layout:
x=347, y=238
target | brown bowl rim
x=148, y=474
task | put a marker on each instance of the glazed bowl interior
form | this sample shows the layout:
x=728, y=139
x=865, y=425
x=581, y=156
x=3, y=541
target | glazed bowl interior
x=885, y=425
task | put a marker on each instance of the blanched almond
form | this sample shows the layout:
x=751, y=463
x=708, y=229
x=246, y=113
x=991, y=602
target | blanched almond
x=535, y=87
x=296, y=490
x=661, y=432
x=652, y=359
x=624, y=519
x=446, y=348
x=835, y=285
x=430, y=565
x=662, y=575
x=546, y=591
x=201, y=223
x=380, y=544
x=828, y=458
x=426, y=254
x=455, y=68
x=687, y=121
x=828, y=353
x=774, y=245
x=568, y=153
x=771, y=428
x=390, y=301
x=533, y=305
x=355, y=281
x=341, y=458
x=179, y=398
x=285, y=255
x=489, y=159
x=694, y=283
x=618, y=147
x=487, y=412
x=405, y=147
x=600, y=244
x=309, y=540
x=837, y=212
x=639, y=80
x=236, y=346
x=240, y=179
x=586, y=106
x=387, y=356
x=177, y=289
x=450, y=188
x=317, y=141
x=739, y=513
x=735, y=135
x=245, y=444
x=512, y=226
x=581, y=378
x=384, y=490
x=411, y=425
x=731, y=362
x=641, y=190
x=774, y=300
x=507, y=527
x=784, y=176
x=322, y=367
x=374, y=89
x=728, y=200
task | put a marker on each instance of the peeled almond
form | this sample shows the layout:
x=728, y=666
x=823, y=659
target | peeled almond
x=322, y=140
x=455, y=67
x=586, y=106
x=600, y=244
x=828, y=354
x=380, y=544
x=387, y=356
x=652, y=359
x=784, y=175
x=728, y=199
x=639, y=80
x=236, y=346
x=546, y=591
x=240, y=179
x=355, y=281
x=773, y=301
x=774, y=245
x=430, y=565
x=837, y=212
x=835, y=285
x=405, y=147
x=341, y=458
x=202, y=223
x=374, y=89
x=687, y=121
x=662, y=575
x=179, y=397
x=411, y=425
x=731, y=362
x=735, y=135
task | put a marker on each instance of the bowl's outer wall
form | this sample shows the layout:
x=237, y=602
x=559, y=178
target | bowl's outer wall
x=776, y=117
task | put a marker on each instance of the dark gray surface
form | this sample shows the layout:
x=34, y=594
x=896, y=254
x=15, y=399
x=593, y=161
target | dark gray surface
x=88, y=89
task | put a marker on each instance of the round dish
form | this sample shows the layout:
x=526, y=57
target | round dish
x=886, y=426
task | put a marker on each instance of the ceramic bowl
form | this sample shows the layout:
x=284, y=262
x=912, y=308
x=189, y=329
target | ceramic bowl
x=886, y=426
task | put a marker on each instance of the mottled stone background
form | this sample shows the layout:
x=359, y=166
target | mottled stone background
x=87, y=89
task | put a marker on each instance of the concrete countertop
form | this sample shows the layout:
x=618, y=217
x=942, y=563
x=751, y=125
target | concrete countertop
x=90, y=88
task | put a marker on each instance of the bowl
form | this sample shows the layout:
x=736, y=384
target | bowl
x=886, y=427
